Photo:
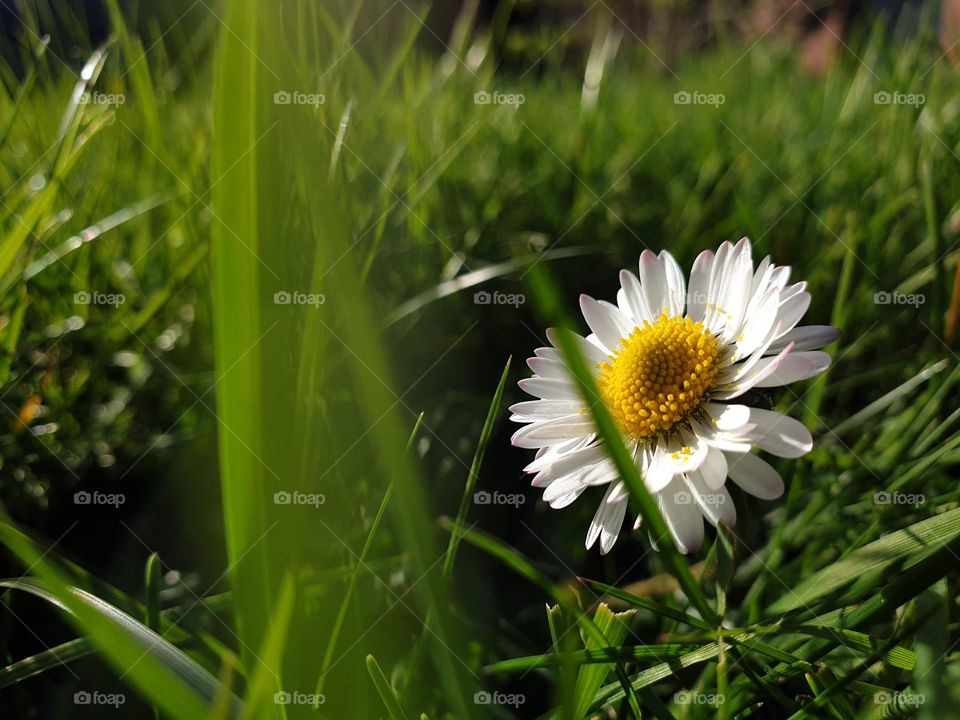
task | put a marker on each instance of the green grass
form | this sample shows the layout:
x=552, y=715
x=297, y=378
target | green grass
x=394, y=594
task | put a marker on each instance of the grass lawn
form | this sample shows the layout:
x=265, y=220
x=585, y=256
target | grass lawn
x=269, y=277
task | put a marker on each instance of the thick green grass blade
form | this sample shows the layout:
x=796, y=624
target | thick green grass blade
x=614, y=627
x=876, y=556
x=265, y=687
x=157, y=669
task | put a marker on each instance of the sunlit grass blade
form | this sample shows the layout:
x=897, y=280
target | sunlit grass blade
x=159, y=671
x=909, y=542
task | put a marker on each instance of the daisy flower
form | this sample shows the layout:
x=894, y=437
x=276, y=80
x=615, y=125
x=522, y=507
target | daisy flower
x=674, y=361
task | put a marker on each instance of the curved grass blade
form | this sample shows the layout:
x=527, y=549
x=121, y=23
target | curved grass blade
x=49, y=659
x=161, y=671
x=874, y=557
x=384, y=690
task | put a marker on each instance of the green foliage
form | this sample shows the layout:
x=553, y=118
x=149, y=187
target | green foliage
x=298, y=280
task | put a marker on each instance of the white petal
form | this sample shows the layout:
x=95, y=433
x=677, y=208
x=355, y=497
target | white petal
x=779, y=434
x=549, y=368
x=676, y=286
x=726, y=417
x=699, y=287
x=547, y=456
x=635, y=304
x=755, y=475
x=735, y=295
x=792, y=310
x=682, y=516
x=577, y=462
x=795, y=367
x=533, y=410
x=715, y=503
x=780, y=277
x=550, y=389
x=755, y=376
x=732, y=441
x=758, y=324
x=807, y=337
x=657, y=472
x=563, y=487
x=713, y=471
x=591, y=351
x=609, y=324
x=565, y=500
x=681, y=454
x=606, y=523
x=761, y=277
x=653, y=281
x=548, y=432
x=548, y=353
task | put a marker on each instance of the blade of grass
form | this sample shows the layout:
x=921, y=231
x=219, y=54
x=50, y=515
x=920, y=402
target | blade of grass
x=474, y=473
x=384, y=690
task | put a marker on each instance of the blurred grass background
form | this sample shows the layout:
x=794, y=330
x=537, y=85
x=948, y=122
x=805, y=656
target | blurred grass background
x=199, y=197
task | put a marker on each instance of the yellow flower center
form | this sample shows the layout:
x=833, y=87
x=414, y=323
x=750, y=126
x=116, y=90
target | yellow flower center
x=659, y=375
